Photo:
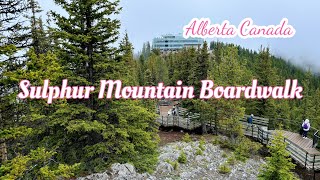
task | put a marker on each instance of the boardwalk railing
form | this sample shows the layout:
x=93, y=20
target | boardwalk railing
x=259, y=130
x=309, y=160
x=294, y=126
x=315, y=139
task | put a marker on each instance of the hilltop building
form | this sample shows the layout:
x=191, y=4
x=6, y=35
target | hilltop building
x=171, y=42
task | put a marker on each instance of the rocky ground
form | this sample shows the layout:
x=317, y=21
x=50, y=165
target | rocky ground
x=205, y=166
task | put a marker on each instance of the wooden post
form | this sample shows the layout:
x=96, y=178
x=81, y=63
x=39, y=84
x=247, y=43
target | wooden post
x=251, y=130
x=193, y=125
x=172, y=120
x=188, y=123
x=167, y=120
x=305, y=163
x=178, y=121
x=314, y=173
x=162, y=120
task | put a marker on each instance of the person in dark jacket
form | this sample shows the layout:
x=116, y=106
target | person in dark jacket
x=249, y=121
x=305, y=127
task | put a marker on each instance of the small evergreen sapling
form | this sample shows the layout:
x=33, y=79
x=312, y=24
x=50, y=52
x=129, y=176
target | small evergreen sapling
x=186, y=138
x=279, y=164
x=182, y=158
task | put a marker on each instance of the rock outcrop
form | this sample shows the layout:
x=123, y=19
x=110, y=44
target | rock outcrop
x=198, y=166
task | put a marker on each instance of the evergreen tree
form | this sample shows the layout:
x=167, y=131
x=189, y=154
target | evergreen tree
x=29, y=157
x=141, y=69
x=200, y=68
x=308, y=108
x=229, y=71
x=14, y=38
x=266, y=76
x=98, y=132
x=146, y=50
x=126, y=52
x=279, y=164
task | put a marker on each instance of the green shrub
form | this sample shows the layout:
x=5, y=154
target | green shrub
x=231, y=160
x=199, y=152
x=246, y=148
x=224, y=168
x=226, y=143
x=186, y=138
x=174, y=164
x=215, y=140
x=202, y=143
x=182, y=158
x=224, y=155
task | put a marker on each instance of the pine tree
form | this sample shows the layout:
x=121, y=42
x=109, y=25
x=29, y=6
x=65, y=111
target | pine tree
x=200, y=68
x=184, y=64
x=126, y=52
x=141, y=70
x=14, y=38
x=98, y=132
x=158, y=69
x=228, y=71
x=29, y=157
x=146, y=50
x=266, y=76
x=308, y=109
x=279, y=164
x=316, y=116
x=38, y=34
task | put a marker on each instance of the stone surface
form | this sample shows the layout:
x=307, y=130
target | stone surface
x=203, y=166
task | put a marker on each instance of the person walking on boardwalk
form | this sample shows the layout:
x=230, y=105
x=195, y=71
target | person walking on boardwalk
x=174, y=111
x=249, y=121
x=306, y=127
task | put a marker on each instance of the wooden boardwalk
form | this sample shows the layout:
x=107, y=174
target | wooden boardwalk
x=301, y=150
x=305, y=144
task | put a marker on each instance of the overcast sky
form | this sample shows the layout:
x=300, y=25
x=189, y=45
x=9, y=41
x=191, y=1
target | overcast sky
x=146, y=19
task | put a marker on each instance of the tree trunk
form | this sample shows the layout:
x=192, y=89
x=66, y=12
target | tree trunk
x=3, y=152
x=204, y=127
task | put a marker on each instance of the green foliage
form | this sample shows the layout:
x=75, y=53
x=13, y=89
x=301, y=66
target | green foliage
x=199, y=152
x=246, y=148
x=94, y=132
x=231, y=160
x=13, y=133
x=215, y=140
x=224, y=168
x=186, y=138
x=89, y=135
x=202, y=143
x=182, y=158
x=174, y=164
x=279, y=164
x=224, y=155
x=226, y=143
x=62, y=171
x=38, y=163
